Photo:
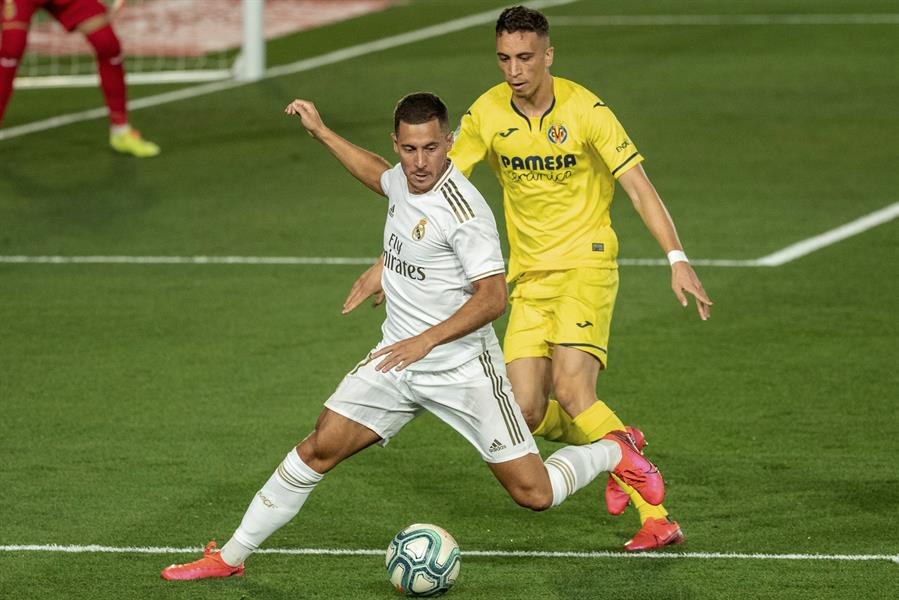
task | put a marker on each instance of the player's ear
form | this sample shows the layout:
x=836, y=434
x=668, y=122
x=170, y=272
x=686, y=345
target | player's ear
x=450, y=138
x=396, y=146
x=550, y=52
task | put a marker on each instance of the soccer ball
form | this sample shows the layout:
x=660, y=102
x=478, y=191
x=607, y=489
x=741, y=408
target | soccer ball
x=423, y=560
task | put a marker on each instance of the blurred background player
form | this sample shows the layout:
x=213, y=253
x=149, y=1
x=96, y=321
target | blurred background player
x=91, y=18
x=557, y=151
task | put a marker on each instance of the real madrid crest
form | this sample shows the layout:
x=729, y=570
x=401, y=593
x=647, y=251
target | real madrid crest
x=557, y=134
x=419, y=231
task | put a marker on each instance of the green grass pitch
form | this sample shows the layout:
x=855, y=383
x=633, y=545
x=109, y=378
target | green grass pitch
x=143, y=405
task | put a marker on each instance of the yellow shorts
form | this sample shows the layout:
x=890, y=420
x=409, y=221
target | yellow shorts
x=561, y=308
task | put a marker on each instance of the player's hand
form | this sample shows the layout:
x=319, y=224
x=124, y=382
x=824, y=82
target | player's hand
x=684, y=279
x=367, y=286
x=403, y=353
x=308, y=114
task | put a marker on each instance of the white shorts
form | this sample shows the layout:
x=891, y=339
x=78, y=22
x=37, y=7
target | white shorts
x=475, y=399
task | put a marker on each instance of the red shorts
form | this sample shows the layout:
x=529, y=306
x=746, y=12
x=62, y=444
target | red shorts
x=69, y=13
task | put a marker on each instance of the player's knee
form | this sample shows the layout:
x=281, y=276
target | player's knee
x=572, y=395
x=532, y=403
x=533, y=414
x=106, y=44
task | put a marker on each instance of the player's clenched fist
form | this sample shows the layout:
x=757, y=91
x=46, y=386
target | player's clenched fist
x=308, y=114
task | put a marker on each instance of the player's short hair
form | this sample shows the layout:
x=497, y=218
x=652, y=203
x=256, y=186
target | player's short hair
x=420, y=107
x=521, y=18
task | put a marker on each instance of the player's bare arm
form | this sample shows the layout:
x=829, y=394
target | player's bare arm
x=367, y=286
x=487, y=304
x=365, y=166
x=655, y=216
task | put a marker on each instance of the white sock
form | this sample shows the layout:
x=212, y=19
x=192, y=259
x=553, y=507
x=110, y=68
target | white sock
x=279, y=500
x=117, y=129
x=572, y=467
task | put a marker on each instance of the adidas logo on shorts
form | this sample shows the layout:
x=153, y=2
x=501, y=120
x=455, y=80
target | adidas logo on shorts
x=496, y=446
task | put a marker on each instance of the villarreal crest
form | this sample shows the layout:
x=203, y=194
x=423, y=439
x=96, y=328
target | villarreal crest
x=9, y=10
x=557, y=134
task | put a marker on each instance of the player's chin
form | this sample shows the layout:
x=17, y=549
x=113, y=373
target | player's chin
x=519, y=89
x=423, y=181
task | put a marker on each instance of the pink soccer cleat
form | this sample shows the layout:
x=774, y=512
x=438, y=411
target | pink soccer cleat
x=617, y=498
x=655, y=533
x=211, y=565
x=635, y=470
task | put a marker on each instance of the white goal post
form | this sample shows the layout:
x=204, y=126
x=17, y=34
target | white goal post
x=165, y=41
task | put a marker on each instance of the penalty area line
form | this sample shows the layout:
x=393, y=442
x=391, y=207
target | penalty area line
x=98, y=549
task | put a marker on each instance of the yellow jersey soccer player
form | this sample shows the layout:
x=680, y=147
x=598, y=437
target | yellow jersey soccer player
x=557, y=150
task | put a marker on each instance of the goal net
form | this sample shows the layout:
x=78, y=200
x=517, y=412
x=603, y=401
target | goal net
x=179, y=41
x=163, y=40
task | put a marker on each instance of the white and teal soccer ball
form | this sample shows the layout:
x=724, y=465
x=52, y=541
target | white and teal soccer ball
x=423, y=560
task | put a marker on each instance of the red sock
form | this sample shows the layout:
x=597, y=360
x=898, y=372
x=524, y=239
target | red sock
x=112, y=74
x=12, y=47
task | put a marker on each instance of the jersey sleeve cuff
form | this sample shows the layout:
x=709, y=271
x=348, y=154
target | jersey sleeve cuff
x=630, y=162
x=501, y=270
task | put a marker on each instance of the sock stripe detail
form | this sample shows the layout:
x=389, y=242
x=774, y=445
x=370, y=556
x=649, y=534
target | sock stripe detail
x=295, y=482
x=565, y=470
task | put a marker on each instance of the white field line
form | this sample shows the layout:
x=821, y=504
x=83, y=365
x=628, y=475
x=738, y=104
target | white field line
x=828, y=238
x=776, y=259
x=97, y=549
x=308, y=64
x=687, y=20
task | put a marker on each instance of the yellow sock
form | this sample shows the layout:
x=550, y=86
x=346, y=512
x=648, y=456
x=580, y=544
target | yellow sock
x=550, y=428
x=646, y=509
x=557, y=426
x=597, y=421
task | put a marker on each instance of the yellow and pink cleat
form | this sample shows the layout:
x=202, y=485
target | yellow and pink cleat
x=211, y=565
x=637, y=471
x=617, y=498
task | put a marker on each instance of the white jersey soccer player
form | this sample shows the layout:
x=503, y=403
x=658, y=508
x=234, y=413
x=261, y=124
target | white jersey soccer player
x=444, y=281
x=436, y=244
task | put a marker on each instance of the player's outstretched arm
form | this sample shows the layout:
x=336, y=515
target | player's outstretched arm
x=368, y=285
x=654, y=214
x=365, y=166
x=487, y=304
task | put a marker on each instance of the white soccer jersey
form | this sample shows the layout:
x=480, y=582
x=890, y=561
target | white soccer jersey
x=435, y=245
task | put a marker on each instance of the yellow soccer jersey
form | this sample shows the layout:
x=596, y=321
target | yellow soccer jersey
x=558, y=174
